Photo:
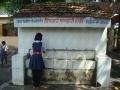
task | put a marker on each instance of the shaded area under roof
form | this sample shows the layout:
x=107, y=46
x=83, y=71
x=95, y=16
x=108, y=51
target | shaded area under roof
x=97, y=10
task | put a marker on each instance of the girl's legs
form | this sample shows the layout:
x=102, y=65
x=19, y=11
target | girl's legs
x=4, y=59
x=36, y=75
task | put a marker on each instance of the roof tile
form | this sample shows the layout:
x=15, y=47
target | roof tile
x=98, y=10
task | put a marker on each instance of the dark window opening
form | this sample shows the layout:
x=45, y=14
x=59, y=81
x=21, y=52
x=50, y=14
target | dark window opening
x=9, y=30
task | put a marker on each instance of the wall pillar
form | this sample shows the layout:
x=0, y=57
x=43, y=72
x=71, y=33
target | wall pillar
x=18, y=69
x=103, y=70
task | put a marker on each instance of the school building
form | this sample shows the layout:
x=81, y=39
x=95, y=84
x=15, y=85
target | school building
x=6, y=24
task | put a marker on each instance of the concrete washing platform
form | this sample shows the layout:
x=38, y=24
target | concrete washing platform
x=75, y=47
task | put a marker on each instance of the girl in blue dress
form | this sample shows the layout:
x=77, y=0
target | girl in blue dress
x=36, y=61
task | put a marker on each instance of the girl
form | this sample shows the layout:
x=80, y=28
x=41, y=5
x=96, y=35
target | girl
x=36, y=61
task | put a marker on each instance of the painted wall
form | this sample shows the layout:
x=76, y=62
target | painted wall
x=4, y=20
x=62, y=38
x=73, y=48
x=10, y=40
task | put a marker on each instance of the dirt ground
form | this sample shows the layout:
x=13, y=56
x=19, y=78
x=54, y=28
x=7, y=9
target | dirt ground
x=115, y=69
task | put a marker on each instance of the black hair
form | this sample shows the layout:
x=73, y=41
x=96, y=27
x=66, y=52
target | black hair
x=38, y=37
x=3, y=42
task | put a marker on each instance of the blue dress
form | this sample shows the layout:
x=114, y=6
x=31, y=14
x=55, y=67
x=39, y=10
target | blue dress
x=36, y=60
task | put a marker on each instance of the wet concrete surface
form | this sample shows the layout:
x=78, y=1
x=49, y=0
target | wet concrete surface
x=5, y=73
x=56, y=87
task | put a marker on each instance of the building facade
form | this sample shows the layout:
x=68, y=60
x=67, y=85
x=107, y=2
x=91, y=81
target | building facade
x=75, y=38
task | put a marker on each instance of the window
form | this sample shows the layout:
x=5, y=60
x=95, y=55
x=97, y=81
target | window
x=9, y=30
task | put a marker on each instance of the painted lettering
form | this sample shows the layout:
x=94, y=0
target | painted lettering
x=56, y=21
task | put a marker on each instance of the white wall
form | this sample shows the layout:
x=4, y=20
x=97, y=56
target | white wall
x=103, y=70
x=62, y=38
x=67, y=36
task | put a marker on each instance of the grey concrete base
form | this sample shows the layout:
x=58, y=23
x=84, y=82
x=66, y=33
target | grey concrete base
x=56, y=76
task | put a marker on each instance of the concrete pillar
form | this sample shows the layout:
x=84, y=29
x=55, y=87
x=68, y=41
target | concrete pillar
x=18, y=69
x=103, y=70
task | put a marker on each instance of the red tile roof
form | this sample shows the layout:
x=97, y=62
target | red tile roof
x=98, y=10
